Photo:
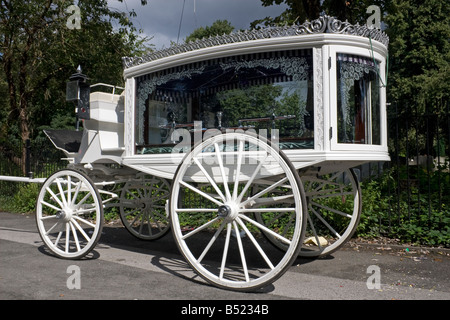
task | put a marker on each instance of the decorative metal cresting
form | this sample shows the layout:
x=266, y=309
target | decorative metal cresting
x=324, y=24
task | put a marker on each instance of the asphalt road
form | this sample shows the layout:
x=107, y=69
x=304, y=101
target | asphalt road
x=124, y=268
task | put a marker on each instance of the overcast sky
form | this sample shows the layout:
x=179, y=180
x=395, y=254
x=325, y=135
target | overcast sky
x=160, y=19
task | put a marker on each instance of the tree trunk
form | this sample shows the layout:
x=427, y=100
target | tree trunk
x=25, y=134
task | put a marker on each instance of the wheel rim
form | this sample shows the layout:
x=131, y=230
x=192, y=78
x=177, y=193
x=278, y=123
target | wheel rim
x=69, y=214
x=143, y=207
x=212, y=211
x=334, y=210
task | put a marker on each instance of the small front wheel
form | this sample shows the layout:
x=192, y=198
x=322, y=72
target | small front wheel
x=69, y=214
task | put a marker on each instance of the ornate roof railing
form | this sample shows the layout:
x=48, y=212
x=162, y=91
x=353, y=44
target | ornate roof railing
x=324, y=24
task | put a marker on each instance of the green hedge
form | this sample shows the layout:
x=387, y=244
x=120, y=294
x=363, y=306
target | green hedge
x=415, y=209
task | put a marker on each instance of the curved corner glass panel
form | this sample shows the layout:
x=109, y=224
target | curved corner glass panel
x=358, y=100
x=257, y=92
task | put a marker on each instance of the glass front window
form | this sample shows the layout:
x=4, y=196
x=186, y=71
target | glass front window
x=271, y=90
x=358, y=100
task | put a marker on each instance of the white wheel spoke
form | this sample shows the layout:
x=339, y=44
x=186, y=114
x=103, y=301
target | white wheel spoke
x=241, y=252
x=67, y=238
x=58, y=238
x=206, y=225
x=50, y=205
x=325, y=223
x=48, y=217
x=61, y=192
x=265, y=229
x=86, y=210
x=256, y=244
x=195, y=210
x=77, y=190
x=267, y=210
x=204, y=195
x=286, y=199
x=314, y=232
x=238, y=169
x=225, y=251
x=259, y=194
x=252, y=178
x=54, y=197
x=82, y=201
x=222, y=171
x=211, y=242
x=77, y=225
x=51, y=229
x=84, y=221
x=69, y=190
x=331, y=209
x=334, y=205
x=211, y=181
x=75, y=236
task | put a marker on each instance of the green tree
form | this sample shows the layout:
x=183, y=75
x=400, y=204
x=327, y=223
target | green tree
x=419, y=73
x=419, y=50
x=39, y=50
x=298, y=11
x=251, y=102
x=219, y=27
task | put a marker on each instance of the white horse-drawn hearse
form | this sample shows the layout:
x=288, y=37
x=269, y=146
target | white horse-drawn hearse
x=242, y=145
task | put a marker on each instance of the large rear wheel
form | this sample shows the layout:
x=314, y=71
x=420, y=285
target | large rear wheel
x=213, y=208
x=334, y=210
x=143, y=207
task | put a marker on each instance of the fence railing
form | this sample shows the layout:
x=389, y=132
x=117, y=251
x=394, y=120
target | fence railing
x=42, y=160
x=416, y=182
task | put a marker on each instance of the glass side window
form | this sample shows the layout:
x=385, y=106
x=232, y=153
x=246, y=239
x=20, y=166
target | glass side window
x=358, y=100
x=254, y=91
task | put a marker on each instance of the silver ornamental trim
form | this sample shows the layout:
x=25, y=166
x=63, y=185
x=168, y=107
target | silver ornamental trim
x=324, y=24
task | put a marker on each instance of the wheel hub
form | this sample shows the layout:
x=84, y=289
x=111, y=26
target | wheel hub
x=228, y=211
x=224, y=211
x=65, y=215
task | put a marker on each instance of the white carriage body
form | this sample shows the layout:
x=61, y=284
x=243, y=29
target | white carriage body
x=316, y=91
x=332, y=50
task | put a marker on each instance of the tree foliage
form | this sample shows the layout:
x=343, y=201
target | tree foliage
x=419, y=50
x=39, y=51
x=299, y=11
x=219, y=27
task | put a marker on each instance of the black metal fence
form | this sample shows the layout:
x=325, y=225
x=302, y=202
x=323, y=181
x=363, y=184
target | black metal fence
x=42, y=160
x=415, y=186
